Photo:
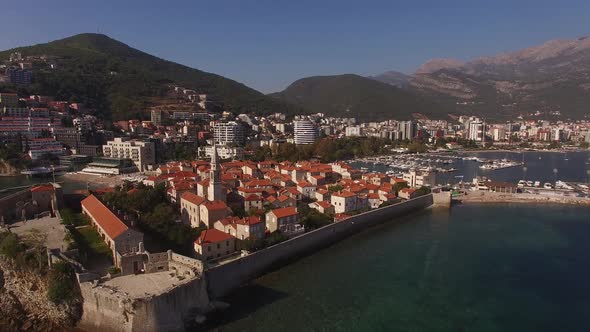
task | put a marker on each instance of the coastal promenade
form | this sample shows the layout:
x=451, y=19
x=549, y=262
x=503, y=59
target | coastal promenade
x=496, y=197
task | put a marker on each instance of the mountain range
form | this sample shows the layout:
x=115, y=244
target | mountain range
x=121, y=82
x=552, y=79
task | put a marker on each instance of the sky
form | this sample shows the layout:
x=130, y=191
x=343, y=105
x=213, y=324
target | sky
x=268, y=44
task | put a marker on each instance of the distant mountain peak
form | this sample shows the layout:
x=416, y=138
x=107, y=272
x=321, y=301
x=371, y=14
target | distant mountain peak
x=392, y=77
x=437, y=64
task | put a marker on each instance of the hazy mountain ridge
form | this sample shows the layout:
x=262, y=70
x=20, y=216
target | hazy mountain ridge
x=352, y=95
x=554, y=76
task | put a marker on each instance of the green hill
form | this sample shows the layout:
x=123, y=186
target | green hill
x=356, y=96
x=120, y=81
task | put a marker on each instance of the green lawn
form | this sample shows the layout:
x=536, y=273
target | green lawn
x=91, y=242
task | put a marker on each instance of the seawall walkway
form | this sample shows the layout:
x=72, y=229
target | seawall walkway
x=495, y=197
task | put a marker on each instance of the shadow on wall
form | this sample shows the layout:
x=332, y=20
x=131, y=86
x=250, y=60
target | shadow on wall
x=257, y=297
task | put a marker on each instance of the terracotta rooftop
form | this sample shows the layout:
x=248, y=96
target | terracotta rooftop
x=284, y=212
x=212, y=236
x=192, y=198
x=104, y=217
x=215, y=205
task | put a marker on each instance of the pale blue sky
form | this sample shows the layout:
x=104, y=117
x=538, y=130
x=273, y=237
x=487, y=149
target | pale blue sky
x=267, y=44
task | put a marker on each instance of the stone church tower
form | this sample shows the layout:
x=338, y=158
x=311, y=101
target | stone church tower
x=215, y=189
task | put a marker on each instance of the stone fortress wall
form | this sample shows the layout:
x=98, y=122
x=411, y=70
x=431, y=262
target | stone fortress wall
x=227, y=277
x=107, y=308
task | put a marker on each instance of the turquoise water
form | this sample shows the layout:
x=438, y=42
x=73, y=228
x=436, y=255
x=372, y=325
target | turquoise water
x=473, y=268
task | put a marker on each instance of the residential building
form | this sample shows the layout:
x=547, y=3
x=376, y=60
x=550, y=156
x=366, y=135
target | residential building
x=228, y=133
x=213, y=243
x=408, y=193
x=224, y=152
x=143, y=154
x=305, y=132
x=211, y=211
x=344, y=201
x=406, y=130
x=476, y=131
x=156, y=117
x=190, y=207
x=353, y=131
x=283, y=219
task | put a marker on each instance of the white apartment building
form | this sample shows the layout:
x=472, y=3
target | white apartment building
x=305, y=132
x=224, y=152
x=228, y=133
x=143, y=154
x=416, y=180
x=476, y=131
x=353, y=131
x=406, y=130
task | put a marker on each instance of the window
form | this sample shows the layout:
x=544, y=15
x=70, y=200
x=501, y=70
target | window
x=208, y=248
x=227, y=243
x=218, y=246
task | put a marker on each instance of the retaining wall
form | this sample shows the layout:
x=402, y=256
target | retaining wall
x=227, y=277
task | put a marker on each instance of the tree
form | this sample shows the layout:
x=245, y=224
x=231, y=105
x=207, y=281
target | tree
x=61, y=285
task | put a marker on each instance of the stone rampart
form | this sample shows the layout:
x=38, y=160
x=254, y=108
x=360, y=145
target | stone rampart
x=224, y=278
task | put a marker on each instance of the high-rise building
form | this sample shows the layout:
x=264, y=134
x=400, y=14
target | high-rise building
x=19, y=76
x=406, y=130
x=305, y=132
x=215, y=188
x=353, y=131
x=142, y=153
x=476, y=131
x=156, y=117
x=228, y=133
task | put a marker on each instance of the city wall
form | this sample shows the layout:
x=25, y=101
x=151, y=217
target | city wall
x=108, y=310
x=227, y=277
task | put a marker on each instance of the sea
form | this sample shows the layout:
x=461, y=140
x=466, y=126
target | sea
x=506, y=267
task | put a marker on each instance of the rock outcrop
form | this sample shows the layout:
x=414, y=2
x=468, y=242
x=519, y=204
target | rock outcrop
x=24, y=304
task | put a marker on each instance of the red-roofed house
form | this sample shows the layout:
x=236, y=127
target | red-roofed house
x=306, y=189
x=252, y=201
x=282, y=219
x=211, y=211
x=323, y=207
x=115, y=233
x=408, y=193
x=213, y=243
x=190, y=208
x=344, y=201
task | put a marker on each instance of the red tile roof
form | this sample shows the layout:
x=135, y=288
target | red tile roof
x=215, y=205
x=192, y=198
x=212, y=236
x=253, y=197
x=284, y=212
x=324, y=204
x=104, y=217
x=344, y=194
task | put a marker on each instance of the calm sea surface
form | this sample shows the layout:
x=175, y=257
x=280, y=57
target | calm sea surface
x=473, y=268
